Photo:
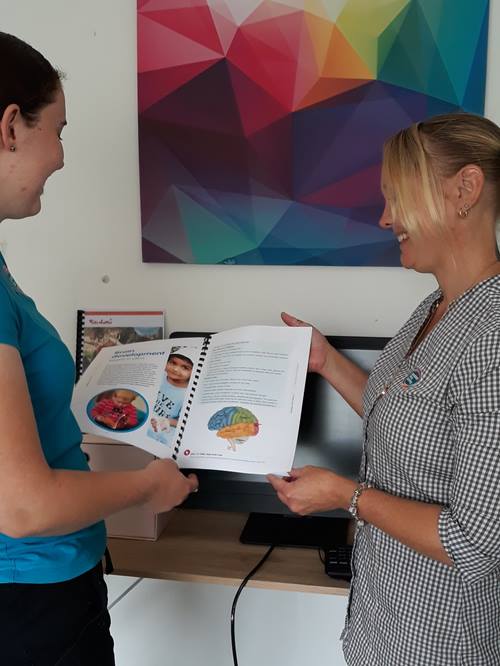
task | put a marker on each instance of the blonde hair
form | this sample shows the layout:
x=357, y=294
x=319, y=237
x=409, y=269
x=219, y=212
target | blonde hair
x=416, y=160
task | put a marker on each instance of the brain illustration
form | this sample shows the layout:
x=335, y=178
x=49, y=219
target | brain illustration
x=234, y=424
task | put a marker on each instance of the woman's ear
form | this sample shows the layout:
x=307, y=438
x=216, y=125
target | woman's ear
x=470, y=183
x=8, y=127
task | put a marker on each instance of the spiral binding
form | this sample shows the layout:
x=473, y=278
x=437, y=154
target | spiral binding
x=180, y=428
x=80, y=327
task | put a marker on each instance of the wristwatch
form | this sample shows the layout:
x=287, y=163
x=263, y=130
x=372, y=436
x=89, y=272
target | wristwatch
x=353, y=505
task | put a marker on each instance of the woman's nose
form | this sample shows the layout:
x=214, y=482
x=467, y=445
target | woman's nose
x=385, y=221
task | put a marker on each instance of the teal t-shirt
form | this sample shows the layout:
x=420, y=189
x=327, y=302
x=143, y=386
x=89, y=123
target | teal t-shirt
x=50, y=374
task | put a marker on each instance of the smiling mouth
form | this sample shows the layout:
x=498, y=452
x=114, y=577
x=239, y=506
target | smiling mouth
x=402, y=237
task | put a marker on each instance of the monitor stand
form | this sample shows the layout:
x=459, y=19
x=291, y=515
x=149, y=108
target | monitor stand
x=301, y=531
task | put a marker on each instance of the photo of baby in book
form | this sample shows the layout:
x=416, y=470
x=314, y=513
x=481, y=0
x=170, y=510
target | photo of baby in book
x=118, y=409
x=170, y=398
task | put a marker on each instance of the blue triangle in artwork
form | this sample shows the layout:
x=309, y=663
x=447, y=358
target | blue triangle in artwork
x=210, y=238
x=380, y=254
x=473, y=99
x=414, y=60
x=166, y=230
x=309, y=228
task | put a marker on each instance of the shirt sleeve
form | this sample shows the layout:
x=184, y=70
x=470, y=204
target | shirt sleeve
x=469, y=527
x=9, y=319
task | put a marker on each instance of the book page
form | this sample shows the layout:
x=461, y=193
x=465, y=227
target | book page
x=135, y=393
x=99, y=329
x=246, y=406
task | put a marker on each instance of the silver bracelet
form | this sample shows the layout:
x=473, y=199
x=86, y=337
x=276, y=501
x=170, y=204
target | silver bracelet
x=353, y=505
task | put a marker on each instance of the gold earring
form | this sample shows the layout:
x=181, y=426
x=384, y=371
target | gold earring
x=464, y=211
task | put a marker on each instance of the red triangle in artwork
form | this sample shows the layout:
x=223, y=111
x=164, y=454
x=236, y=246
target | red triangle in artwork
x=360, y=189
x=226, y=28
x=270, y=69
x=158, y=83
x=196, y=23
x=159, y=47
x=257, y=108
x=284, y=34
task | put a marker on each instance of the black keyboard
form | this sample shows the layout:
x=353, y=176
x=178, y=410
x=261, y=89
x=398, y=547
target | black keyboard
x=338, y=562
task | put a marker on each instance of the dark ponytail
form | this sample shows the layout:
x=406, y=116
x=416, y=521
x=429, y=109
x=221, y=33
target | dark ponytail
x=26, y=78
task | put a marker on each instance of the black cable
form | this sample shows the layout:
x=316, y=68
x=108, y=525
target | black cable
x=236, y=596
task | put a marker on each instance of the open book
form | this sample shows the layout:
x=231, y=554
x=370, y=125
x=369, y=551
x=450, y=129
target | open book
x=229, y=401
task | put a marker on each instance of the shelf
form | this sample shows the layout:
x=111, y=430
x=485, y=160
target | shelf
x=203, y=546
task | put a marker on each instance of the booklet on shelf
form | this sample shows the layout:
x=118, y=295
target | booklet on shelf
x=228, y=401
x=96, y=329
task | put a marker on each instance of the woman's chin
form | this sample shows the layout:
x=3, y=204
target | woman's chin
x=405, y=259
x=33, y=209
x=411, y=264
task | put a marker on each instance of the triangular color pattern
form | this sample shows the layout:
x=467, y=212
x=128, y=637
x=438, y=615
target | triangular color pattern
x=257, y=108
x=342, y=61
x=362, y=21
x=212, y=241
x=166, y=230
x=324, y=9
x=240, y=11
x=320, y=33
x=326, y=89
x=388, y=36
x=159, y=47
x=270, y=9
x=270, y=69
x=206, y=102
x=195, y=23
x=158, y=5
x=283, y=33
x=225, y=26
x=151, y=254
x=360, y=189
x=453, y=22
x=254, y=217
x=307, y=72
x=473, y=98
x=414, y=61
x=156, y=84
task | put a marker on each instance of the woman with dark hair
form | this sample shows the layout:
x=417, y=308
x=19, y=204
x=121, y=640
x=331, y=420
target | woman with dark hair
x=52, y=594
x=426, y=561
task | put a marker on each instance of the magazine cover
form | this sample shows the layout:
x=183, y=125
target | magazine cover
x=97, y=329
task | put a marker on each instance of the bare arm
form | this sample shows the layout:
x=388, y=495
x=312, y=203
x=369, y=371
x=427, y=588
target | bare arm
x=37, y=500
x=413, y=523
x=345, y=376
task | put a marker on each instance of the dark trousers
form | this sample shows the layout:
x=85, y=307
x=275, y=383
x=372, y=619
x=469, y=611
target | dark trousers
x=56, y=624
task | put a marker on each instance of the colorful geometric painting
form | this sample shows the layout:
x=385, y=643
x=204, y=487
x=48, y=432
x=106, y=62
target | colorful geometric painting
x=261, y=122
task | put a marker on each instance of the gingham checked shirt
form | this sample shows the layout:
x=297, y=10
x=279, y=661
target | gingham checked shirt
x=434, y=437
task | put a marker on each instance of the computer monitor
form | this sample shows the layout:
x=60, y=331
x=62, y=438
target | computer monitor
x=330, y=435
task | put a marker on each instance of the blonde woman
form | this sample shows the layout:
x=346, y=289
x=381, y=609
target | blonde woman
x=426, y=562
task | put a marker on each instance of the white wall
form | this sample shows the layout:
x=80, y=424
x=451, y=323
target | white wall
x=90, y=227
x=90, y=224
